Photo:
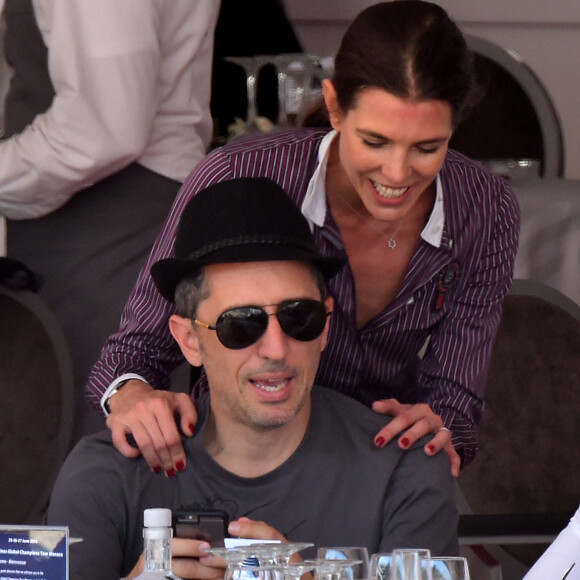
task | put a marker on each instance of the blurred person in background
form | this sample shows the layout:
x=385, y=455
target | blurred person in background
x=107, y=112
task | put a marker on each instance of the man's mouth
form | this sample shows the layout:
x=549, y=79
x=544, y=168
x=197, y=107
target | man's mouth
x=389, y=192
x=270, y=385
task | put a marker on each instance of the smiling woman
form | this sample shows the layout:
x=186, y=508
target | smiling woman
x=430, y=236
x=381, y=180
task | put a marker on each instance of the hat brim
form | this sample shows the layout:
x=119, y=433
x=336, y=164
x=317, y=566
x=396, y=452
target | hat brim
x=169, y=272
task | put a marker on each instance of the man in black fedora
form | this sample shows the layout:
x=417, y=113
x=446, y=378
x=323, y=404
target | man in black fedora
x=285, y=459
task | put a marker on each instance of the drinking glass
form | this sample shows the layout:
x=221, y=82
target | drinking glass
x=236, y=558
x=296, y=571
x=380, y=566
x=252, y=66
x=359, y=553
x=335, y=569
x=294, y=73
x=411, y=564
x=247, y=572
x=282, y=552
x=449, y=568
x=281, y=63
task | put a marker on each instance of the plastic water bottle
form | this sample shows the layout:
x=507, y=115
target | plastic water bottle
x=157, y=534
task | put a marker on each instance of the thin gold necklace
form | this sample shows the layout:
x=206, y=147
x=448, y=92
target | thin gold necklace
x=391, y=241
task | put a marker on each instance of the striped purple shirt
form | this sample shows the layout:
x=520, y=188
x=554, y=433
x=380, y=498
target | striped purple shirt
x=450, y=297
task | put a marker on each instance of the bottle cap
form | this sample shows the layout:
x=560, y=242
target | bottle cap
x=157, y=518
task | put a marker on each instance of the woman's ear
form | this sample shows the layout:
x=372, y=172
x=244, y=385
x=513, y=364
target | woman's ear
x=331, y=101
x=187, y=339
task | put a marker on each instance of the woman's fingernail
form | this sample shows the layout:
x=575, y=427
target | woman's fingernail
x=157, y=469
x=380, y=441
x=192, y=428
x=431, y=448
x=405, y=442
x=180, y=465
x=170, y=473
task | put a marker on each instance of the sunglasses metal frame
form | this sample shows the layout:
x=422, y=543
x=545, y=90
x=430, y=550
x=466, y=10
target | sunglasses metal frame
x=279, y=307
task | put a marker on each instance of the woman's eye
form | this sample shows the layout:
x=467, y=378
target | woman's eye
x=428, y=149
x=373, y=144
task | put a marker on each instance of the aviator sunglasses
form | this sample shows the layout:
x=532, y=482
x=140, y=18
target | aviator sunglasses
x=240, y=327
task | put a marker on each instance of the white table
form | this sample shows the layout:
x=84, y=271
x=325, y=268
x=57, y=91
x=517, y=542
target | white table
x=549, y=249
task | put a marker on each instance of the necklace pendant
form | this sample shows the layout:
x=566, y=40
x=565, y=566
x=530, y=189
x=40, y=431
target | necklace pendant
x=392, y=243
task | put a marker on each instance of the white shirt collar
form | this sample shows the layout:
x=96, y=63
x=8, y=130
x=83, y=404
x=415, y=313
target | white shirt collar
x=314, y=204
x=433, y=231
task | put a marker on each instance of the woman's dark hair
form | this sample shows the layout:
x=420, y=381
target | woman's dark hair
x=409, y=48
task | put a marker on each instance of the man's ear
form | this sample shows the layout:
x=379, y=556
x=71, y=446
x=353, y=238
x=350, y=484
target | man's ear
x=331, y=101
x=187, y=339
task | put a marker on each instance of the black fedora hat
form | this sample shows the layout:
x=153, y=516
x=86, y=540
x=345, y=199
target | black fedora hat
x=249, y=219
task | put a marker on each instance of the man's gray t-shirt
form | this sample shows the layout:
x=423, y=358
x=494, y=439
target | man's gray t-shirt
x=337, y=489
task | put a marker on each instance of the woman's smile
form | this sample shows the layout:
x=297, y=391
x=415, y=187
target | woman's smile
x=389, y=192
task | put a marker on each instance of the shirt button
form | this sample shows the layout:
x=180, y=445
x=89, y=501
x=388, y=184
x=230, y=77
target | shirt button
x=410, y=301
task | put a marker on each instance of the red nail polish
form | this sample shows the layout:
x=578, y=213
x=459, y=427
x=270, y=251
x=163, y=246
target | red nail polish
x=405, y=442
x=170, y=473
x=192, y=428
x=180, y=465
x=157, y=469
x=379, y=441
x=431, y=448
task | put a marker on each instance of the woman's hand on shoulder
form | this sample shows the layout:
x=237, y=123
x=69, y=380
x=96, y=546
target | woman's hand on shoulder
x=149, y=416
x=410, y=423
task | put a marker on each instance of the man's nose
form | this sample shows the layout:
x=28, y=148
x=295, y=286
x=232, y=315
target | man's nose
x=274, y=343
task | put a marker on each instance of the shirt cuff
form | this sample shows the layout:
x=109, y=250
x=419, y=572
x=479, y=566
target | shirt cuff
x=115, y=384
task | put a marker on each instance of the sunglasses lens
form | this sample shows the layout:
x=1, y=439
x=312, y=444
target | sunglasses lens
x=302, y=319
x=240, y=327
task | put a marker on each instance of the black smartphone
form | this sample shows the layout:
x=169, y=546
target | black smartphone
x=208, y=525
